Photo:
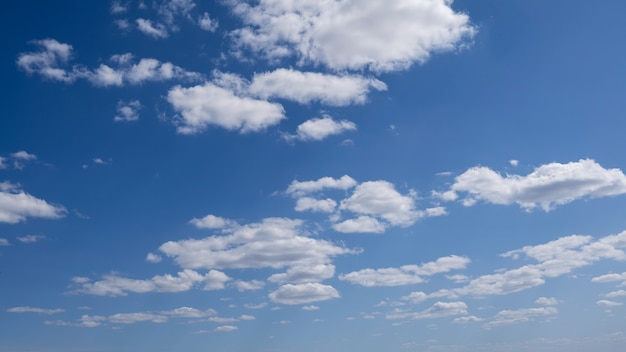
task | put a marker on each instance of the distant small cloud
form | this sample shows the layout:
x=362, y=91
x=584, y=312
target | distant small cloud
x=153, y=258
x=4, y=242
x=514, y=162
x=207, y=23
x=30, y=238
x=127, y=111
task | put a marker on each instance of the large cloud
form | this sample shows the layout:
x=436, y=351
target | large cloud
x=340, y=34
x=547, y=186
x=274, y=242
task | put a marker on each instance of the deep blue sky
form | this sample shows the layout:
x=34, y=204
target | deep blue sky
x=334, y=176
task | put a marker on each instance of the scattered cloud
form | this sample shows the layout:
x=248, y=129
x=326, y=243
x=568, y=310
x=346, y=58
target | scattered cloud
x=331, y=33
x=618, y=293
x=52, y=60
x=153, y=258
x=547, y=301
x=405, y=275
x=85, y=321
x=608, y=304
x=437, y=310
x=249, y=285
x=35, y=310
x=300, y=188
x=30, y=238
x=609, y=278
x=310, y=308
x=154, y=30
x=303, y=293
x=17, y=206
x=127, y=111
x=207, y=23
x=318, y=129
x=304, y=274
x=115, y=285
x=225, y=328
x=507, y=317
x=212, y=222
x=546, y=187
x=361, y=224
x=327, y=205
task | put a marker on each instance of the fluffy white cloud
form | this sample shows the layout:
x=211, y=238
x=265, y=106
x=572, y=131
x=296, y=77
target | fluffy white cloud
x=546, y=187
x=306, y=87
x=340, y=35
x=23, y=155
x=467, y=319
x=618, y=293
x=305, y=274
x=210, y=105
x=609, y=278
x=153, y=258
x=317, y=205
x=405, y=275
x=303, y=293
x=35, y=310
x=52, y=60
x=318, y=129
x=249, y=285
x=437, y=310
x=189, y=312
x=300, y=188
x=380, y=199
x=547, y=301
x=114, y=285
x=85, y=321
x=225, y=328
x=127, y=111
x=274, y=242
x=506, y=317
x=361, y=224
x=154, y=30
x=131, y=318
x=16, y=205
x=212, y=222
x=608, y=304
x=207, y=23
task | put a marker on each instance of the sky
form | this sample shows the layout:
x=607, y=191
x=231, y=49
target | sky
x=313, y=175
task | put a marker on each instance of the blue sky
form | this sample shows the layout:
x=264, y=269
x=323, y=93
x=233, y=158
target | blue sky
x=275, y=175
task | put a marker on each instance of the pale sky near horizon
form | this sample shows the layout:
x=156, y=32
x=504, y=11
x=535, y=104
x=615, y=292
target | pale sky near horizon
x=313, y=175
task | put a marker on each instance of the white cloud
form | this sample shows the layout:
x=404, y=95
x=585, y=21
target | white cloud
x=46, y=62
x=4, y=242
x=153, y=258
x=514, y=162
x=467, y=319
x=207, y=105
x=212, y=222
x=157, y=31
x=85, y=321
x=30, y=238
x=303, y=293
x=609, y=278
x=618, y=293
x=114, y=285
x=225, y=328
x=506, y=317
x=117, y=8
x=131, y=318
x=310, y=308
x=274, y=242
x=35, y=310
x=189, y=312
x=23, y=155
x=380, y=199
x=127, y=111
x=249, y=285
x=306, y=87
x=437, y=310
x=340, y=35
x=547, y=186
x=207, y=23
x=52, y=59
x=299, y=188
x=547, y=301
x=317, y=205
x=608, y=304
x=361, y=224
x=305, y=274
x=405, y=275
x=318, y=129
x=16, y=205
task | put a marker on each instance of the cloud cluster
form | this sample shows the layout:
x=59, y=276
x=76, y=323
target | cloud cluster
x=547, y=186
x=372, y=205
x=340, y=35
x=52, y=61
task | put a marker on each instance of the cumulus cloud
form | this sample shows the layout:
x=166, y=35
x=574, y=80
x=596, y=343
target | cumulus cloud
x=127, y=111
x=212, y=222
x=274, y=243
x=153, y=258
x=318, y=129
x=299, y=188
x=437, y=310
x=361, y=224
x=52, y=61
x=405, y=275
x=249, y=285
x=327, y=205
x=547, y=301
x=207, y=105
x=207, y=23
x=303, y=293
x=546, y=187
x=609, y=278
x=340, y=34
x=306, y=87
x=115, y=285
x=16, y=205
x=154, y=30
x=506, y=317
x=225, y=328
x=305, y=274
x=35, y=310
x=131, y=318
x=608, y=304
